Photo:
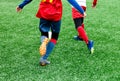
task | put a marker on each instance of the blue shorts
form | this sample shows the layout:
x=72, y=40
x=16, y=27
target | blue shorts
x=45, y=26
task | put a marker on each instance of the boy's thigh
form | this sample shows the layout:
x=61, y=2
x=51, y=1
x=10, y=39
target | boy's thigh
x=44, y=25
x=55, y=26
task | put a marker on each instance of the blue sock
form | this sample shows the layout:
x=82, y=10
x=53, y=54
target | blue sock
x=49, y=49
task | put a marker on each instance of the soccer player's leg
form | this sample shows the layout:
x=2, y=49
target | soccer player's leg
x=51, y=44
x=78, y=22
x=82, y=34
x=44, y=28
x=77, y=36
x=43, y=45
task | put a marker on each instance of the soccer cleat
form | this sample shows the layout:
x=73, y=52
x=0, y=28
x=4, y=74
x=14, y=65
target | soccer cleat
x=42, y=48
x=77, y=38
x=90, y=46
x=44, y=62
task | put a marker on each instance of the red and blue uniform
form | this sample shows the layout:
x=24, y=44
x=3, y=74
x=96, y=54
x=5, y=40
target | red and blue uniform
x=51, y=11
x=79, y=23
x=50, y=14
x=78, y=19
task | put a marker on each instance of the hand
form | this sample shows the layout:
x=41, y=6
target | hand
x=84, y=15
x=93, y=5
x=18, y=9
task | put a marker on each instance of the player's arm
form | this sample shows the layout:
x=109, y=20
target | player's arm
x=94, y=3
x=77, y=6
x=20, y=6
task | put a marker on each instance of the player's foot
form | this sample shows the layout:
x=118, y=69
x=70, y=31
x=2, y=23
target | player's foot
x=44, y=62
x=90, y=46
x=42, y=48
x=77, y=38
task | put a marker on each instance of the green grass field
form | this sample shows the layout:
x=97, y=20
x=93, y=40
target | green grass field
x=70, y=60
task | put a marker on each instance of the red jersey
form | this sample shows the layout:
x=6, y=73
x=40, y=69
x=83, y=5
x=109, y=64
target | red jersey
x=50, y=10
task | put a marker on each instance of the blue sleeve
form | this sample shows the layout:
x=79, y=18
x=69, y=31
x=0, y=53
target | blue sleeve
x=76, y=5
x=25, y=2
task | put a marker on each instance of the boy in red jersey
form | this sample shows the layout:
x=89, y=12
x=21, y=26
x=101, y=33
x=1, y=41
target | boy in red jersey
x=79, y=25
x=50, y=13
